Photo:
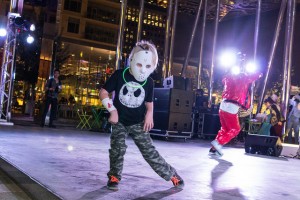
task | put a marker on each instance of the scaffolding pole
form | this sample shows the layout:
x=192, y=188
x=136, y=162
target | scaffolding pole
x=287, y=63
x=272, y=53
x=201, y=45
x=140, y=23
x=187, y=57
x=256, y=32
x=121, y=33
x=167, y=41
x=8, y=69
x=169, y=69
x=211, y=82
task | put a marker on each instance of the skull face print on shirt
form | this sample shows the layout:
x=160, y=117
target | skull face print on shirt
x=132, y=95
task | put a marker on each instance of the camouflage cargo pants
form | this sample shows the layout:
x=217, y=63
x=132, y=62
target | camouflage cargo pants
x=144, y=143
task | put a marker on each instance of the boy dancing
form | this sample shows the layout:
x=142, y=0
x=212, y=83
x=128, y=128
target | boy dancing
x=131, y=112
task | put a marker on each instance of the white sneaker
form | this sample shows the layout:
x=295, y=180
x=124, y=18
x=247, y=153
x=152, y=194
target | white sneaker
x=217, y=147
x=213, y=152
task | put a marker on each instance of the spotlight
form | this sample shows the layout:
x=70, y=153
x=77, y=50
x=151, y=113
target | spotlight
x=251, y=67
x=32, y=27
x=235, y=70
x=228, y=58
x=2, y=32
x=23, y=24
x=30, y=39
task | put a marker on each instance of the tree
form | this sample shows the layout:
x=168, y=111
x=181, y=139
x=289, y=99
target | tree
x=61, y=53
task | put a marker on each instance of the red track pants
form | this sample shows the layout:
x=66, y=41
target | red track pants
x=230, y=127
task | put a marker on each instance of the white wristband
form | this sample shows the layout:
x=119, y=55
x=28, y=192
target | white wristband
x=108, y=104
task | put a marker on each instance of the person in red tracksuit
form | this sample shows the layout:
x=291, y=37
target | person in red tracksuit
x=234, y=96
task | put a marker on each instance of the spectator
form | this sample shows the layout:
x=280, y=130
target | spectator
x=72, y=99
x=52, y=89
x=274, y=118
x=293, y=122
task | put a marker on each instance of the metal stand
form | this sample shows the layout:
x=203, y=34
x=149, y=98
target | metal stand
x=171, y=134
x=7, y=71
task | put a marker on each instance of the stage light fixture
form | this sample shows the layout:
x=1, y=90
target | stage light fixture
x=251, y=67
x=19, y=21
x=30, y=39
x=235, y=70
x=3, y=32
x=32, y=27
x=23, y=24
x=228, y=58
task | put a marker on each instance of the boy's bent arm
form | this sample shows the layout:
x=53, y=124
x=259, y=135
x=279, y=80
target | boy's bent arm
x=108, y=104
x=103, y=94
x=148, y=124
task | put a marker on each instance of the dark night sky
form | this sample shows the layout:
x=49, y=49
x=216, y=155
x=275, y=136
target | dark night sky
x=239, y=33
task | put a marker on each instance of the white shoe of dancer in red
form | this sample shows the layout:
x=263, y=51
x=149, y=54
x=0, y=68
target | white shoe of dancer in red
x=217, y=147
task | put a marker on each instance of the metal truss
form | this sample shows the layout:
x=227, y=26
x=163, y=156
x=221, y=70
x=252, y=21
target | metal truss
x=8, y=70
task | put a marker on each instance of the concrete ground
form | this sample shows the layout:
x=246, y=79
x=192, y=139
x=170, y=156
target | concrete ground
x=9, y=190
x=73, y=165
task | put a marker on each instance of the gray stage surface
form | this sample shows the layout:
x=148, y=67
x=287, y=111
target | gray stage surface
x=73, y=164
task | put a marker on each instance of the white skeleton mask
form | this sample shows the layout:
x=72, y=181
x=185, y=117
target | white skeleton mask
x=141, y=65
x=132, y=95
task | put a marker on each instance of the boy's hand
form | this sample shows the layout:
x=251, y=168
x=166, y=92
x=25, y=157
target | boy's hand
x=148, y=124
x=114, y=117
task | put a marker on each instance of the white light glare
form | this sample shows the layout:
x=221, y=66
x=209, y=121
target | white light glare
x=235, y=70
x=228, y=58
x=251, y=67
x=32, y=27
x=70, y=148
x=30, y=39
x=2, y=32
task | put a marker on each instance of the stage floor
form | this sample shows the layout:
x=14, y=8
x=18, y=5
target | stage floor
x=73, y=164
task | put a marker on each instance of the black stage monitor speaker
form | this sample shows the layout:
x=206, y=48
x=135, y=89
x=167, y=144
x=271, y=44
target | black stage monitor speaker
x=263, y=145
x=173, y=100
x=181, y=122
x=211, y=124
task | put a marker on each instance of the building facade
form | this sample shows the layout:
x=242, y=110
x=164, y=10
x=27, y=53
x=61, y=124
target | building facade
x=80, y=38
x=89, y=30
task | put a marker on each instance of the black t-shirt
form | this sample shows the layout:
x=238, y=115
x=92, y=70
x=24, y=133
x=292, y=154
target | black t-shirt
x=130, y=96
x=51, y=83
